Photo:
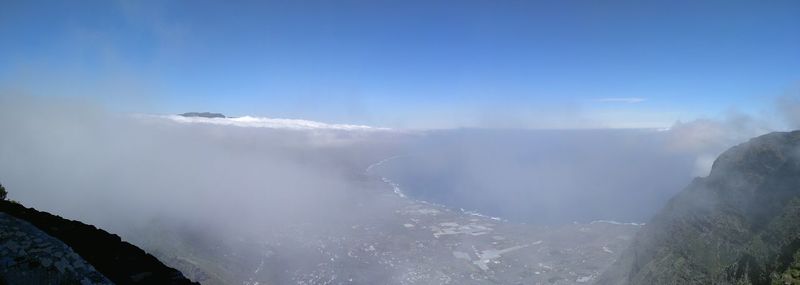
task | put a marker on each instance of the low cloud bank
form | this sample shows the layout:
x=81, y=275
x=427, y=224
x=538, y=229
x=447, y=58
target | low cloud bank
x=79, y=161
x=272, y=123
x=545, y=176
x=76, y=159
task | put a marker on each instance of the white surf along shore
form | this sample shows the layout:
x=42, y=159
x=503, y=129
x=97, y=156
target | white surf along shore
x=399, y=192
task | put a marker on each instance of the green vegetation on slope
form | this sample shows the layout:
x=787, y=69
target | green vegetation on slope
x=739, y=225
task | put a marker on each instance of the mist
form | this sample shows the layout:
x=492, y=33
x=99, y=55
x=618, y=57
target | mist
x=558, y=176
x=546, y=176
x=76, y=158
x=252, y=189
x=79, y=161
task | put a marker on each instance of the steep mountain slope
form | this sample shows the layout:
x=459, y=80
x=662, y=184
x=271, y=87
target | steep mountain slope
x=739, y=225
x=29, y=256
x=49, y=255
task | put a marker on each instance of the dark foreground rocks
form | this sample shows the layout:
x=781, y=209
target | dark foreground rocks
x=40, y=248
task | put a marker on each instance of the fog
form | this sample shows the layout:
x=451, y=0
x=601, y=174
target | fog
x=77, y=160
x=546, y=176
x=561, y=176
x=128, y=172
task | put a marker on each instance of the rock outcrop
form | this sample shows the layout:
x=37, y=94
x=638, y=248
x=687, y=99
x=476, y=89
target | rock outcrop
x=40, y=248
x=29, y=256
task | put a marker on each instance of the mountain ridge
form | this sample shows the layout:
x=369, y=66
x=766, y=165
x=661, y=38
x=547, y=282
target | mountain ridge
x=203, y=115
x=738, y=225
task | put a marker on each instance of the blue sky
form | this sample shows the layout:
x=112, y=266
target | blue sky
x=539, y=64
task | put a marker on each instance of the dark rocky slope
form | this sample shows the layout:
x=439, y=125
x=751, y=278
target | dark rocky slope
x=119, y=261
x=30, y=256
x=739, y=225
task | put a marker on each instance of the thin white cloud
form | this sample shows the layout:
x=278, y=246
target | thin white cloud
x=271, y=123
x=628, y=100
